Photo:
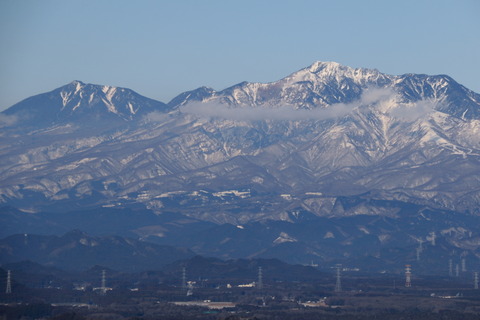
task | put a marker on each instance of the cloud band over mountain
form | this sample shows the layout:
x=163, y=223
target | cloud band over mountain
x=384, y=98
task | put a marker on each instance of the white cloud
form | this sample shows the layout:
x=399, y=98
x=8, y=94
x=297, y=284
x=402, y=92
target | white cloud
x=413, y=111
x=155, y=116
x=247, y=113
x=6, y=120
x=376, y=95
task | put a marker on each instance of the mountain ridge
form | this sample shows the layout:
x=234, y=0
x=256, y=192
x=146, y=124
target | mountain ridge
x=328, y=129
x=316, y=85
x=77, y=250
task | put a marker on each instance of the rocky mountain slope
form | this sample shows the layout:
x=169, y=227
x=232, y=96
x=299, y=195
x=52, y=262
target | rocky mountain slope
x=250, y=152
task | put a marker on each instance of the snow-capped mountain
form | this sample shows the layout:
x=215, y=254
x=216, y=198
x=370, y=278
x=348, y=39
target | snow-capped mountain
x=324, y=84
x=252, y=151
x=78, y=101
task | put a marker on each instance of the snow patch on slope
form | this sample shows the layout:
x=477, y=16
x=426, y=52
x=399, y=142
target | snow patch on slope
x=284, y=237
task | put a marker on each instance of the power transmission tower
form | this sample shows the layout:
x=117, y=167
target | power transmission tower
x=408, y=276
x=184, y=278
x=9, y=282
x=260, y=278
x=433, y=237
x=419, y=249
x=338, y=284
x=103, y=289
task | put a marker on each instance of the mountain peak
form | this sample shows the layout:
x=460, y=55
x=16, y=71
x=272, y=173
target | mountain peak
x=324, y=72
x=194, y=95
x=318, y=66
x=77, y=82
x=79, y=101
x=83, y=98
x=75, y=85
x=321, y=69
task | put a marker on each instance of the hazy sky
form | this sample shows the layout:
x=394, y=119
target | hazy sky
x=162, y=48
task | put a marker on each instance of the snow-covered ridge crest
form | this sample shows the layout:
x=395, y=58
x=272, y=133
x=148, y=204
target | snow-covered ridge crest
x=324, y=72
x=321, y=65
x=88, y=95
x=331, y=68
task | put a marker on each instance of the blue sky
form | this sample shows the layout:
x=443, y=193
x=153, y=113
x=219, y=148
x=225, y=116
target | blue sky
x=163, y=48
